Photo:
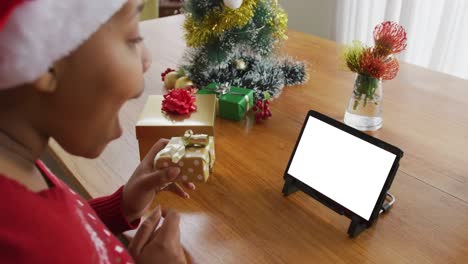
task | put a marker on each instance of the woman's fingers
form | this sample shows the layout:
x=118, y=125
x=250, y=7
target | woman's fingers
x=164, y=244
x=178, y=190
x=145, y=231
x=164, y=179
x=160, y=178
x=189, y=185
x=169, y=232
x=158, y=146
x=188, y=256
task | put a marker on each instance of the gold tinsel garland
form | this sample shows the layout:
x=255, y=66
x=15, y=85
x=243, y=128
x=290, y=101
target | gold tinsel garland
x=199, y=33
x=279, y=22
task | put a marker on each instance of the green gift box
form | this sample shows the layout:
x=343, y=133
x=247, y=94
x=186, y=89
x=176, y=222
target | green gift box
x=233, y=102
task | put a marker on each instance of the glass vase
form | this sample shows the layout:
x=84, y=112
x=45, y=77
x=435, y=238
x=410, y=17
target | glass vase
x=364, y=111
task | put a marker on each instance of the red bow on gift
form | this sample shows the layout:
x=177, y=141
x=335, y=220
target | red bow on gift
x=179, y=101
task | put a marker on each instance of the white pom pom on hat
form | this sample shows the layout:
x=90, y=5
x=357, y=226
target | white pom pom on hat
x=36, y=33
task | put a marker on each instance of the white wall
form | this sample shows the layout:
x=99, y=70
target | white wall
x=315, y=17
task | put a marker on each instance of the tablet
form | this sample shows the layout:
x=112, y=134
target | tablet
x=342, y=167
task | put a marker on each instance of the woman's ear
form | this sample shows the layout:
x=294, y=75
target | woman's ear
x=47, y=82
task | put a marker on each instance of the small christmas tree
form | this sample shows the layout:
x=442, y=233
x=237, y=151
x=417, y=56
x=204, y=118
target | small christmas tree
x=234, y=41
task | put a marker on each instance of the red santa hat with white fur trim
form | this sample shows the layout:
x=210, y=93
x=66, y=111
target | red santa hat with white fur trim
x=36, y=33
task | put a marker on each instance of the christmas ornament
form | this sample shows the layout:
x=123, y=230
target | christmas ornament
x=262, y=110
x=169, y=77
x=183, y=82
x=179, y=101
x=170, y=80
x=233, y=4
x=163, y=74
x=240, y=64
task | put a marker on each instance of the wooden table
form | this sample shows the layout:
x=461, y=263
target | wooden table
x=240, y=216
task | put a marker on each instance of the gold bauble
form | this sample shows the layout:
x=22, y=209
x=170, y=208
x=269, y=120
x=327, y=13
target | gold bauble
x=233, y=4
x=183, y=82
x=240, y=64
x=170, y=80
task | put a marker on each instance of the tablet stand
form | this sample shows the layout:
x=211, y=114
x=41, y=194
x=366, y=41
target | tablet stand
x=289, y=187
x=357, y=225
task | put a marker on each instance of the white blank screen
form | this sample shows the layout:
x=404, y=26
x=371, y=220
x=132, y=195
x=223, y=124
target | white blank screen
x=345, y=168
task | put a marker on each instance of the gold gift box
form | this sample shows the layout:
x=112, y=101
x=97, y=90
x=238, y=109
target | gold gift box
x=193, y=154
x=155, y=124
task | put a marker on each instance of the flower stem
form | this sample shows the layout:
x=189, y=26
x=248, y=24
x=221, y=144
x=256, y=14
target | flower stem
x=364, y=85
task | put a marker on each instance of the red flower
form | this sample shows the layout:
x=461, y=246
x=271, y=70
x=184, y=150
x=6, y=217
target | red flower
x=390, y=38
x=391, y=68
x=373, y=64
x=179, y=101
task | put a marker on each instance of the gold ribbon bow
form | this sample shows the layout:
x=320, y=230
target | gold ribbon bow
x=191, y=140
x=176, y=147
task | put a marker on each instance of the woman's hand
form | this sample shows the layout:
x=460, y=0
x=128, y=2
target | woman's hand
x=145, y=182
x=161, y=245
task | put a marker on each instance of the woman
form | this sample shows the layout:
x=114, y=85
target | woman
x=66, y=69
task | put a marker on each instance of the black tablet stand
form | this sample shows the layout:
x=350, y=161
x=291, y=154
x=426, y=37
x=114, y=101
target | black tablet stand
x=291, y=185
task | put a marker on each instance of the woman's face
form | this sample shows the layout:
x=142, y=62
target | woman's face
x=94, y=82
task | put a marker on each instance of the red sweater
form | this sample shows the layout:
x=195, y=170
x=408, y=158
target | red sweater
x=58, y=226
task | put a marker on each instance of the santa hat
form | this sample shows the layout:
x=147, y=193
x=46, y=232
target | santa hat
x=36, y=33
